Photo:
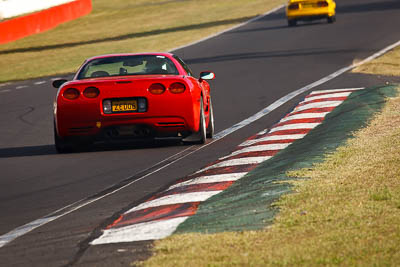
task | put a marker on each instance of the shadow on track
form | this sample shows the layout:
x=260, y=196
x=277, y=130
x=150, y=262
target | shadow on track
x=273, y=54
x=29, y=151
x=369, y=7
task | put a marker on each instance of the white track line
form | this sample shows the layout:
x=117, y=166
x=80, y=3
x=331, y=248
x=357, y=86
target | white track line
x=13, y=234
x=211, y=179
x=139, y=232
x=4, y=84
x=175, y=199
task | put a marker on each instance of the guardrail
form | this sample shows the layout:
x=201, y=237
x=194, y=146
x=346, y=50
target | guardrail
x=19, y=27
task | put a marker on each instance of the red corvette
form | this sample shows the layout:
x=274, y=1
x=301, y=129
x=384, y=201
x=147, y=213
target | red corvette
x=132, y=96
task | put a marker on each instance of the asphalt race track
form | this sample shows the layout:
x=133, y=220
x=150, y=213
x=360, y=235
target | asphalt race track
x=255, y=65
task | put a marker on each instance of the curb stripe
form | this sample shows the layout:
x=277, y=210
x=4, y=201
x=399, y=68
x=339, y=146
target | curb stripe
x=166, y=212
x=277, y=146
x=271, y=138
x=234, y=162
x=270, y=153
x=296, y=121
x=211, y=179
x=203, y=187
x=142, y=231
x=314, y=110
x=223, y=170
x=175, y=199
x=290, y=131
x=335, y=90
x=325, y=96
x=305, y=115
x=277, y=139
x=295, y=126
x=327, y=104
x=341, y=99
x=160, y=215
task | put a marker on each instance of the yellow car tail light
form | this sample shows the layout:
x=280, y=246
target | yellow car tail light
x=294, y=6
x=322, y=4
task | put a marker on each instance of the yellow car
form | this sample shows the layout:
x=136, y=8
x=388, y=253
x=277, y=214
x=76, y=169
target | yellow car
x=310, y=10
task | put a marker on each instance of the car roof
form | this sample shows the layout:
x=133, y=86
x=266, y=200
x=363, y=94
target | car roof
x=131, y=54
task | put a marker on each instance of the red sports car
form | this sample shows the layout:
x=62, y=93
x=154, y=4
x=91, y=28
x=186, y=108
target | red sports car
x=132, y=96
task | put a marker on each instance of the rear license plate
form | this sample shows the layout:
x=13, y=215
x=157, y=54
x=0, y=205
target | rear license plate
x=307, y=5
x=124, y=105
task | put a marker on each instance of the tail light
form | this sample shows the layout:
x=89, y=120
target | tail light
x=71, y=94
x=293, y=6
x=91, y=92
x=157, y=89
x=177, y=88
x=322, y=4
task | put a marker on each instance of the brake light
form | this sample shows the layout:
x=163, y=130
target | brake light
x=293, y=6
x=71, y=94
x=91, y=92
x=157, y=89
x=322, y=4
x=177, y=88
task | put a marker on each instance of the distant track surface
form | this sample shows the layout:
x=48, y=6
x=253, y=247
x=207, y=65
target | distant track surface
x=255, y=65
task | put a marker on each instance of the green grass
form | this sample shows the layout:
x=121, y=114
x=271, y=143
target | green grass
x=121, y=26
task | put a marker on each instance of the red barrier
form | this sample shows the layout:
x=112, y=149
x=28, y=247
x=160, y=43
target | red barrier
x=14, y=29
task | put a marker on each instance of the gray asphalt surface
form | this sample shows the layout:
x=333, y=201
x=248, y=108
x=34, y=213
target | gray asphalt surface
x=255, y=65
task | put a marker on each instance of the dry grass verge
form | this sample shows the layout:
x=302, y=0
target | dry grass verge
x=388, y=64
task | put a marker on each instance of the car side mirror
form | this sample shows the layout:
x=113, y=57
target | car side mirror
x=206, y=75
x=58, y=83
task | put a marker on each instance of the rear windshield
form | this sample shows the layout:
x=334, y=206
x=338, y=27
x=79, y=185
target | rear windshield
x=128, y=65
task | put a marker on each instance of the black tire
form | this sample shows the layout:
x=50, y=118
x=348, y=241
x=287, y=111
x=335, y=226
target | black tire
x=210, y=127
x=202, y=133
x=62, y=146
x=292, y=22
x=199, y=137
x=331, y=19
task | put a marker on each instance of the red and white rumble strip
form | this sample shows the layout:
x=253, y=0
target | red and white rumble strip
x=160, y=215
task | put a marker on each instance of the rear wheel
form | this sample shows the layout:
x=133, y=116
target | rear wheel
x=210, y=127
x=331, y=19
x=292, y=22
x=62, y=146
x=202, y=134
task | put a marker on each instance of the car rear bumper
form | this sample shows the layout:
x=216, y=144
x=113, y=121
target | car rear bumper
x=306, y=14
x=126, y=128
